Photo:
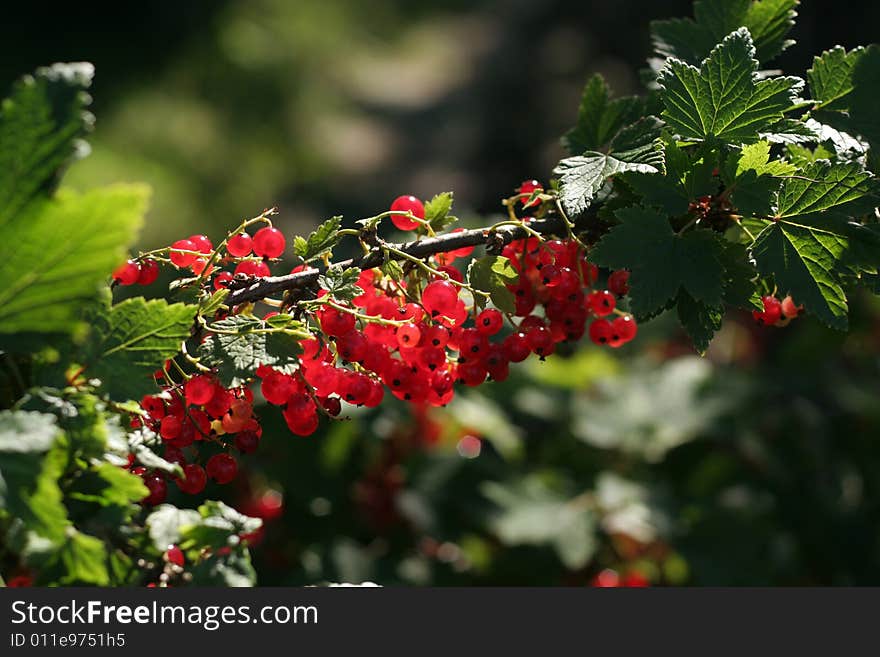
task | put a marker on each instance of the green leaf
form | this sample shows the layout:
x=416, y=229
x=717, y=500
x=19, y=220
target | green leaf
x=322, y=240
x=59, y=252
x=685, y=180
x=699, y=320
x=845, y=86
x=599, y=118
x=41, y=124
x=492, y=274
x=213, y=303
x=165, y=522
x=752, y=179
x=661, y=262
x=437, y=211
x=122, y=488
x=724, y=99
x=769, y=21
x=802, y=260
x=133, y=339
x=84, y=560
x=531, y=513
x=635, y=148
x=236, y=346
x=740, y=290
x=341, y=283
x=821, y=186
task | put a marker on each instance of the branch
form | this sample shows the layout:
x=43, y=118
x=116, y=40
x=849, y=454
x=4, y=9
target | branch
x=272, y=285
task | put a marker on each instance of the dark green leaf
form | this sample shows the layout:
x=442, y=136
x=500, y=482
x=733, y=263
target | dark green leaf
x=599, y=118
x=821, y=186
x=133, y=339
x=769, y=21
x=803, y=261
x=236, y=346
x=699, y=320
x=635, y=148
x=724, y=99
x=662, y=262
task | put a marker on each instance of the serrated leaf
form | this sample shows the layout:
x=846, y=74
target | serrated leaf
x=220, y=525
x=599, y=118
x=753, y=180
x=700, y=321
x=769, y=21
x=685, y=180
x=437, y=211
x=138, y=443
x=41, y=124
x=233, y=569
x=739, y=286
x=492, y=274
x=57, y=253
x=843, y=187
x=802, y=260
x=133, y=339
x=661, y=262
x=845, y=86
x=320, y=241
x=635, y=148
x=724, y=99
x=122, y=487
x=341, y=283
x=236, y=346
x=790, y=131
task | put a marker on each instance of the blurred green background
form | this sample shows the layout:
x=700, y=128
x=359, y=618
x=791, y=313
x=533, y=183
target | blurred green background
x=758, y=464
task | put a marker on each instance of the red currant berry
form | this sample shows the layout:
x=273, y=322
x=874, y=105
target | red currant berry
x=440, y=298
x=625, y=328
x=772, y=311
x=333, y=406
x=601, y=331
x=198, y=390
x=240, y=245
x=540, y=341
x=490, y=321
x=255, y=268
x=202, y=243
x=407, y=204
x=618, y=282
x=182, y=259
x=601, y=303
x=127, y=273
x=194, y=479
x=222, y=468
x=789, y=309
x=336, y=323
x=221, y=279
x=408, y=336
x=174, y=555
x=269, y=242
x=149, y=272
x=170, y=427
x=158, y=490
x=516, y=347
x=527, y=188
x=607, y=579
x=247, y=442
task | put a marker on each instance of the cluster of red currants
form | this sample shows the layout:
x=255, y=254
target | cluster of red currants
x=191, y=417
x=416, y=338
x=776, y=312
x=131, y=272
